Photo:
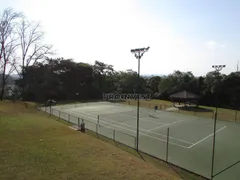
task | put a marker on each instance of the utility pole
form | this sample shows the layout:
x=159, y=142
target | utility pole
x=217, y=68
x=138, y=54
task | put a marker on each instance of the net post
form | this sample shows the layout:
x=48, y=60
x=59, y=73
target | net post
x=167, y=144
x=98, y=119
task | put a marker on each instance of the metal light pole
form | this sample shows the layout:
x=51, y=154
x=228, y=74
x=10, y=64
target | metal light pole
x=217, y=68
x=138, y=54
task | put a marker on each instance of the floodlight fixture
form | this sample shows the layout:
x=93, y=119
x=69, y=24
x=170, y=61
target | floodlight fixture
x=139, y=52
x=218, y=67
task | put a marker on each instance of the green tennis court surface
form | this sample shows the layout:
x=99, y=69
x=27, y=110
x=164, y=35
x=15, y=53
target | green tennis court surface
x=190, y=137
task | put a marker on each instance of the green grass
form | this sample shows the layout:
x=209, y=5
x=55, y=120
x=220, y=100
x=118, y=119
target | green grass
x=223, y=114
x=33, y=146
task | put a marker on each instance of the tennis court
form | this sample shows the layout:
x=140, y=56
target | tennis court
x=190, y=138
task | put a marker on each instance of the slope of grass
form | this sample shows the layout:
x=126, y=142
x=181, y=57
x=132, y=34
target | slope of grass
x=33, y=146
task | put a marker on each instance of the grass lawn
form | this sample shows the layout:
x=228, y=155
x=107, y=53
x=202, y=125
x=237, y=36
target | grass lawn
x=223, y=114
x=33, y=146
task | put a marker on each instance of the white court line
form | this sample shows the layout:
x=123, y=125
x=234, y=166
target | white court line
x=126, y=116
x=139, y=132
x=169, y=124
x=149, y=119
x=141, y=119
x=206, y=137
x=133, y=117
x=123, y=124
x=148, y=136
x=112, y=112
x=141, y=129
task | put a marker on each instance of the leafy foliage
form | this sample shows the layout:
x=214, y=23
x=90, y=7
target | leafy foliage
x=64, y=79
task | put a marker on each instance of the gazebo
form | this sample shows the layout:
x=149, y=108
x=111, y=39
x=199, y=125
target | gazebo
x=185, y=97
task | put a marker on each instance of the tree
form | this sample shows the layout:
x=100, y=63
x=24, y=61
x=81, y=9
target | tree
x=103, y=78
x=153, y=83
x=8, y=41
x=58, y=79
x=32, y=47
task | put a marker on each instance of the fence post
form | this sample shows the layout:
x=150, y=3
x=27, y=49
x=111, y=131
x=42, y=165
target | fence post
x=78, y=123
x=167, y=144
x=98, y=119
x=114, y=134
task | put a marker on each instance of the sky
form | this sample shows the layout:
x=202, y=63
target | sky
x=185, y=35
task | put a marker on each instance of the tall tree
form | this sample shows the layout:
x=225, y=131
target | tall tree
x=32, y=47
x=8, y=41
